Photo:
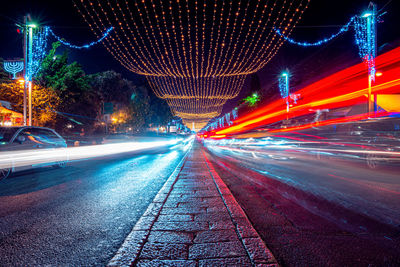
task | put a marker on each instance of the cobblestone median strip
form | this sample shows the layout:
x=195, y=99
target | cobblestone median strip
x=193, y=221
x=258, y=252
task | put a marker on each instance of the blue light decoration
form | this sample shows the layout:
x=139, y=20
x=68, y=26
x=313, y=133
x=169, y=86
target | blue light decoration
x=221, y=122
x=228, y=118
x=85, y=46
x=36, y=52
x=365, y=34
x=284, y=88
x=344, y=29
x=235, y=113
x=37, y=49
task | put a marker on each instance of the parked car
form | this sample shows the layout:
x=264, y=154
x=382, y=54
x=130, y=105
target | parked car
x=29, y=138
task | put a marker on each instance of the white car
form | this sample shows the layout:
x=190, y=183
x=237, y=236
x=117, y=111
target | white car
x=29, y=138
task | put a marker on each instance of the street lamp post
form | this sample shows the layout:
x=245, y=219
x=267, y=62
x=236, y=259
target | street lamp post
x=284, y=88
x=30, y=55
x=25, y=64
x=371, y=30
x=28, y=58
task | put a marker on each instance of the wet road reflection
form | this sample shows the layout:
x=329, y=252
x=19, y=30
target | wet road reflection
x=81, y=214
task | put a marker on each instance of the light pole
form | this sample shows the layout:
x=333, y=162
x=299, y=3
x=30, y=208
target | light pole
x=28, y=60
x=370, y=17
x=284, y=88
x=25, y=64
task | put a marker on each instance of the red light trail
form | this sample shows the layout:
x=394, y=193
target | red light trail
x=344, y=88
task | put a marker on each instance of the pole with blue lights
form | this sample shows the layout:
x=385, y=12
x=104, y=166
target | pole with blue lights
x=366, y=33
x=284, y=88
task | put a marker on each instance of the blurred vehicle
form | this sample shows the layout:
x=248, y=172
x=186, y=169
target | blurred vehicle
x=376, y=141
x=29, y=138
x=118, y=138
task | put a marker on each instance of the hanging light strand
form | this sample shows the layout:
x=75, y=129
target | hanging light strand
x=85, y=46
x=343, y=29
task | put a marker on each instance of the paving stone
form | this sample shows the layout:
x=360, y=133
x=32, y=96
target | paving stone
x=207, y=193
x=216, y=250
x=166, y=263
x=170, y=237
x=257, y=250
x=193, y=205
x=172, y=211
x=212, y=201
x=245, y=228
x=130, y=248
x=144, y=223
x=215, y=236
x=227, y=262
x=217, y=209
x=164, y=251
x=160, y=198
x=236, y=211
x=219, y=225
x=153, y=209
x=212, y=216
x=182, y=198
x=181, y=226
x=175, y=218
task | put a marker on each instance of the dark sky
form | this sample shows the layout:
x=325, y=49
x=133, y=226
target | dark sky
x=322, y=18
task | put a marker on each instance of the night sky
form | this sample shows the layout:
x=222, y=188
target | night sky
x=321, y=19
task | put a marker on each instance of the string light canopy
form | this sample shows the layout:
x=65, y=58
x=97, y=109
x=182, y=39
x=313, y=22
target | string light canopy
x=195, y=54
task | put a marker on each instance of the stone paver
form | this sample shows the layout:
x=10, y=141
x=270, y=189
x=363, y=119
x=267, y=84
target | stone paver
x=195, y=221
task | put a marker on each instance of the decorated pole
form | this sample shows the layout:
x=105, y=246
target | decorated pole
x=366, y=32
x=30, y=59
x=284, y=88
x=25, y=65
x=371, y=39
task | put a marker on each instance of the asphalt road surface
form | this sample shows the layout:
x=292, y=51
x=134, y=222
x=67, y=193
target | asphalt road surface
x=79, y=215
x=316, y=211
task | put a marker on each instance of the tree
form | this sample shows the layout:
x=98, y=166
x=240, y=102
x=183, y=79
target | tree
x=71, y=85
x=131, y=102
x=44, y=102
x=160, y=113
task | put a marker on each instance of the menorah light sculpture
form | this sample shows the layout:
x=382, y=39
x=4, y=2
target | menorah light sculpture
x=13, y=67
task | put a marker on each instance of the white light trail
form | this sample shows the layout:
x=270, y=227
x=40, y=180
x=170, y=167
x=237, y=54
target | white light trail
x=21, y=158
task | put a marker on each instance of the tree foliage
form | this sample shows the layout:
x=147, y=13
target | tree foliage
x=44, y=102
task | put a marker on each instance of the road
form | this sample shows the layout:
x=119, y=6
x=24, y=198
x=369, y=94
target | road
x=79, y=215
x=315, y=211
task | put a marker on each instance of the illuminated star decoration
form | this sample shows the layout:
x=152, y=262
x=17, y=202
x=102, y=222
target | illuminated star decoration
x=252, y=99
x=195, y=54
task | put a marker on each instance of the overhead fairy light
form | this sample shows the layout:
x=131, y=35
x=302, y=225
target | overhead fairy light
x=195, y=54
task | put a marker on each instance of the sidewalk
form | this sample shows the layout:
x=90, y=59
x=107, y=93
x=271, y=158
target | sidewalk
x=194, y=221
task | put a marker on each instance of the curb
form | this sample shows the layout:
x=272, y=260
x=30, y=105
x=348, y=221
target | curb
x=255, y=247
x=133, y=243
